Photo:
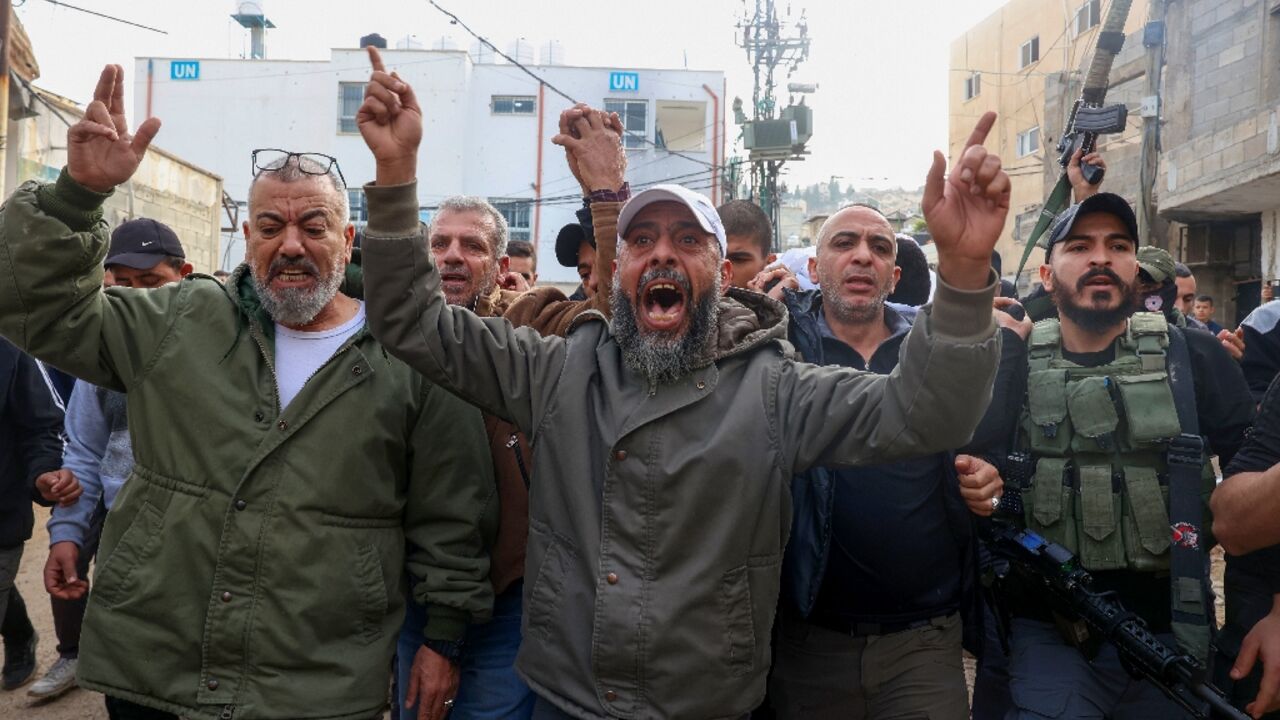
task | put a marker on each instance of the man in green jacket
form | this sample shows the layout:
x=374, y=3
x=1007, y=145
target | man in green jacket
x=664, y=440
x=252, y=565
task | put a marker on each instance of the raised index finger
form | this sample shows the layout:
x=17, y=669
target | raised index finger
x=375, y=58
x=980, y=131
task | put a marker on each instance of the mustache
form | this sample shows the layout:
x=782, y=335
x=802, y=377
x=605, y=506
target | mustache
x=862, y=275
x=281, y=264
x=456, y=269
x=1108, y=273
x=674, y=276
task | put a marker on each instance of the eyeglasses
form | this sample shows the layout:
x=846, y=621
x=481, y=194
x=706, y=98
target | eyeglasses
x=309, y=163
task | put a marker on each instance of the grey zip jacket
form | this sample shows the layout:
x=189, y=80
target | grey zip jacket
x=659, y=513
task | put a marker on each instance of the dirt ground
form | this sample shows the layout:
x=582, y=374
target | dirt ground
x=75, y=705
x=85, y=705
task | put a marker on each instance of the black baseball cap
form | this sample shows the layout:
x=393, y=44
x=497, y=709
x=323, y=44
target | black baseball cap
x=568, y=240
x=141, y=244
x=1102, y=202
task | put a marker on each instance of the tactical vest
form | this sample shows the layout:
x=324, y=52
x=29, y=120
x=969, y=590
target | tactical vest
x=1101, y=438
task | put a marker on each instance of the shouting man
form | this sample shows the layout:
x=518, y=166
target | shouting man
x=665, y=440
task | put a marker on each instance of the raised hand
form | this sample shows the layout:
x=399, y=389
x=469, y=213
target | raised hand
x=100, y=151
x=592, y=142
x=966, y=210
x=1081, y=188
x=390, y=122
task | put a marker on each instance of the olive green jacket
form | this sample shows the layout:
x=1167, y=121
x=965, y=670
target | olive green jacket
x=253, y=565
x=658, y=513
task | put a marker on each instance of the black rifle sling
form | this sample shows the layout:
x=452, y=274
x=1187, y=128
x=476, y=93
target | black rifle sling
x=1188, y=562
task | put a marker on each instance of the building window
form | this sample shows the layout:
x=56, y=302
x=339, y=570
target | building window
x=973, y=86
x=1029, y=52
x=1028, y=141
x=1088, y=16
x=359, y=208
x=680, y=126
x=1024, y=223
x=518, y=213
x=635, y=120
x=512, y=105
x=350, y=97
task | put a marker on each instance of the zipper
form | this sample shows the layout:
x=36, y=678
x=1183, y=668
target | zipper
x=513, y=444
x=227, y=712
x=351, y=341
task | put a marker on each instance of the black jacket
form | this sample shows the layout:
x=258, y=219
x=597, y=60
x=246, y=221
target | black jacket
x=813, y=493
x=30, y=440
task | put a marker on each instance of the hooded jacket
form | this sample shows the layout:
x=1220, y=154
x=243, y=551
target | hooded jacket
x=252, y=566
x=659, y=513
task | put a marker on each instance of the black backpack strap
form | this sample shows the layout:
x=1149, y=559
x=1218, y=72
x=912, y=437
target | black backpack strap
x=1188, y=554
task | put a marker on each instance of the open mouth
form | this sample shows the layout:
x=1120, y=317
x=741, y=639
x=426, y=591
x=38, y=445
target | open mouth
x=663, y=304
x=860, y=284
x=293, y=277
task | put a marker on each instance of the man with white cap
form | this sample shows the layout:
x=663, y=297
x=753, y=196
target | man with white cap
x=664, y=441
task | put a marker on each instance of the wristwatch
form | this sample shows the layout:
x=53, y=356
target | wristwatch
x=620, y=195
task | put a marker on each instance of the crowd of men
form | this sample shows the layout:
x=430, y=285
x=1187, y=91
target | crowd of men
x=707, y=484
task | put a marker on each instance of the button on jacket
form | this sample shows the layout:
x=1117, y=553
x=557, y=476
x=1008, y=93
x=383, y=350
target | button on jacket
x=658, y=514
x=252, y=565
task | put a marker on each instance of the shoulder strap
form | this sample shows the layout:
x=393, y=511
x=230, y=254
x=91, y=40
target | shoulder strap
x=1190, y=591
x=1043, y=344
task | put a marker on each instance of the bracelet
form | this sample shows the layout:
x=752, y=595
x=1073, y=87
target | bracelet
x=621, y=195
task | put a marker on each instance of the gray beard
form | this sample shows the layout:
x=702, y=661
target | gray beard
x=835, y=304
x=662, y=358
x=296, y=306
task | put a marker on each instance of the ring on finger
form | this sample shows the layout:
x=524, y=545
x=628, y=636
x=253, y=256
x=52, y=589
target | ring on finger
x=995, y=503
x=448, y=703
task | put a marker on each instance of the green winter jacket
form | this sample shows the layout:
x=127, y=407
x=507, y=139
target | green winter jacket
x=658, y=513
x=253, y=565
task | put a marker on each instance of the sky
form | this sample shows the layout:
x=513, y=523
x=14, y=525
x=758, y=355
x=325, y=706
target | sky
x=880, y=65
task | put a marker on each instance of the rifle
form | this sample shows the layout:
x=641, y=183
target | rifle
x=1089, y=118
x=1057, y=569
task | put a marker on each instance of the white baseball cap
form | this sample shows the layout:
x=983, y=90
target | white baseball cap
x=705, y=213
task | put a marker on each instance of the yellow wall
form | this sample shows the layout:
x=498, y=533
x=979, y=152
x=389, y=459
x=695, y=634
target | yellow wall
x=1018, y=95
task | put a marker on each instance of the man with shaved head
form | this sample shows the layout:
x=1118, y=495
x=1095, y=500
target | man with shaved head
x=665, y=441
x=857, y=636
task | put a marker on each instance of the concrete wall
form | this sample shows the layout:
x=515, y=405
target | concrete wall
x=1020, y=96
x=165, y=187
x=239, y=105
x=1220, y=165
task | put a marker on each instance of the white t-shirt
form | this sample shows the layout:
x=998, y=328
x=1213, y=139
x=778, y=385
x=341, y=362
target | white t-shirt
x=300, y=354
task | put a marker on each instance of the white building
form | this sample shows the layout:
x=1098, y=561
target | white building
x=488, y=127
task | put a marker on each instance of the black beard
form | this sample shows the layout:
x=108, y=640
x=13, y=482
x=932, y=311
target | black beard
x=662, y=358
x=1090, y=319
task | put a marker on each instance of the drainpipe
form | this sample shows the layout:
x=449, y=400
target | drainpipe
x=150, y=74
x=715, y=145
x=5, y=11
x=537, y=186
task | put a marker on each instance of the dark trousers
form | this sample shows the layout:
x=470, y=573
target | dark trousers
x=118, y=709
x=15, y=626
x=68, y=615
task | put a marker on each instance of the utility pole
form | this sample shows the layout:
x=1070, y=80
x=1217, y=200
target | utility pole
x=1153, y=39
x=767, y=49
x=6, y=9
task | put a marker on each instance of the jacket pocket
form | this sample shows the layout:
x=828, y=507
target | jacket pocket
x=371, y=592
x=739, y=628
x=112, y=584
x=548, y=589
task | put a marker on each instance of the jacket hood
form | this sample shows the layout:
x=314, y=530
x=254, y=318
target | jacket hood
x=747, y=320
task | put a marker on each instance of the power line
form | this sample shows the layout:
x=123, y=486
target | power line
x=458, y=21
x=59, y=3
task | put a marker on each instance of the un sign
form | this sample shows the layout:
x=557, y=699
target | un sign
x=624, y=82
x=184, y=69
